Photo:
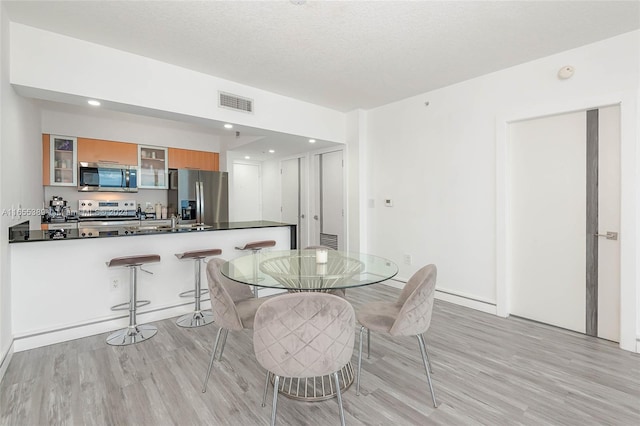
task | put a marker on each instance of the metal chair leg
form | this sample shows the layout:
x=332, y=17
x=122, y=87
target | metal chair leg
x=275, y=401
x=427, y=353
x=368, y=343
x=359, y=362
x=266, y=386
x=213, y=356
x=426, y=368
x=224, y=341
x=339, y=395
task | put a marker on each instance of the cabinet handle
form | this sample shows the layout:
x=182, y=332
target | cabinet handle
x=107, y=161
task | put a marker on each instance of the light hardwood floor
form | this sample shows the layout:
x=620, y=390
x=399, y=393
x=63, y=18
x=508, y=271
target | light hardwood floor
x=487, y=370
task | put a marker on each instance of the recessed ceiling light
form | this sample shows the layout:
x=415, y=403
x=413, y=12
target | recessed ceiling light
x=271, y=151
x=228, y=126
x=312, y=141
x=93, y=102
x=246, y=157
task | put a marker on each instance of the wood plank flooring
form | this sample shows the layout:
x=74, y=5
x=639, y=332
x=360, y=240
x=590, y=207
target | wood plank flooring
x=487, y=371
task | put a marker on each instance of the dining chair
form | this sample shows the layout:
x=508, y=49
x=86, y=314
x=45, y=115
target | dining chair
x=303, y=335
x=234, y=307
x=409, y=315
x=342, y=292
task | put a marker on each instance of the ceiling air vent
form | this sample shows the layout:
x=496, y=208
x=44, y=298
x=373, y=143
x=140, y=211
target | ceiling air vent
x=237, y=103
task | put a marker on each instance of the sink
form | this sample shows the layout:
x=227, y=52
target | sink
x=184, y=226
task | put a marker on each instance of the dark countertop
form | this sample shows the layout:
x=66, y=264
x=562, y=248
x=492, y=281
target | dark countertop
x=21, y=233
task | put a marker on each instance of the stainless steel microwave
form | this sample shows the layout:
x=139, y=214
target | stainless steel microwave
x=107, y=177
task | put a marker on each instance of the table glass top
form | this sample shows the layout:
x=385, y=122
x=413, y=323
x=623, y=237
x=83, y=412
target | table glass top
x=314, y=269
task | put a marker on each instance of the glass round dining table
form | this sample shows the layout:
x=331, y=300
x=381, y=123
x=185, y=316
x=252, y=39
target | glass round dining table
x=309, y=270
x=318, y=270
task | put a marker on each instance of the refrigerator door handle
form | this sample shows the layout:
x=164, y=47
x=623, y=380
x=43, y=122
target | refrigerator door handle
x=202, y=206
x=198, y=202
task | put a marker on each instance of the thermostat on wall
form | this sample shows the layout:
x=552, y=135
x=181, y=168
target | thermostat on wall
x=388, y=202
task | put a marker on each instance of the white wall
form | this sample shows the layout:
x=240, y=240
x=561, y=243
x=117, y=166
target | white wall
x=20, y=183
x=57, y=65
x=97, y=123
x=271, y=190
x=438, y=162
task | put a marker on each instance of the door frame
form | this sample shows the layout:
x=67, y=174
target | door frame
x=628, y=203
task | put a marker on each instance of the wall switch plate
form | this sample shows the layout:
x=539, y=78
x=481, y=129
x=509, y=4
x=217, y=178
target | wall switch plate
x=407, y=259
x=388, y=202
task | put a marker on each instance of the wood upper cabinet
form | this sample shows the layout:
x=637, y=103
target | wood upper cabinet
x=190, y=159
x=101, y=151
x=46, y=160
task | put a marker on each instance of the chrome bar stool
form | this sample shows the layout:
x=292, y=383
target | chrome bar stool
x=198, y=317
x=134, y=333
x=255, y=247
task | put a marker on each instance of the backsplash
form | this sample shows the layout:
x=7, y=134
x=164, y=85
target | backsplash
x=72, y=195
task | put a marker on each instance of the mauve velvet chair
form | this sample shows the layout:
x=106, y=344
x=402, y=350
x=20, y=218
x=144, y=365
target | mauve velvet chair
x=304, y=335
x=233, y=304
x=342, y=292
x=410, y=315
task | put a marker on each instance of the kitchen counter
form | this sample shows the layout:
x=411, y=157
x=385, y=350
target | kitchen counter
x=71, y=290
x=21, y=234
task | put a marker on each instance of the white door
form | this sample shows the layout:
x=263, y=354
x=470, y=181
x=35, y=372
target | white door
x=291, y=211
x=548, y=237
x=609, y=221
x=329, y=202
x=246, y=199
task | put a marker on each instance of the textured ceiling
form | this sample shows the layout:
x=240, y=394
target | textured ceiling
x=340, y=54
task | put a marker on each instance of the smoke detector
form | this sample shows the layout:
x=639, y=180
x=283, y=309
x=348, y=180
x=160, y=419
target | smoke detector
x=566, y=72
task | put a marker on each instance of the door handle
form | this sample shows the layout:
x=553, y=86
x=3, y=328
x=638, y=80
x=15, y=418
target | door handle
x=301, y=216
x=315, y=217
x=608, y=235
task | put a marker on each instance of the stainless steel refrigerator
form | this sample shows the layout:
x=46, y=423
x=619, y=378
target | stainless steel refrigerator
x=198, y=196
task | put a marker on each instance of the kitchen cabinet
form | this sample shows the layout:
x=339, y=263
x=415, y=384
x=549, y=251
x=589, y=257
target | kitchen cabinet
x=101, y=151
x=60, y=160
x=190, y=159
x=153, y=164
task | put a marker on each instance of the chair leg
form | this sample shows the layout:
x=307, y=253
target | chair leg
x=339, y=395
x=213, y=356
x=426, y=368
x=266, y=387
x=275, y=400
x=368, y=343
x=359, y=362
x=427, y=353
x=224, y=340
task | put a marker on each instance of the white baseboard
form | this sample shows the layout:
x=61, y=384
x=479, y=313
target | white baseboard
x=5, y=360
x=76, y=331
x=455, y=297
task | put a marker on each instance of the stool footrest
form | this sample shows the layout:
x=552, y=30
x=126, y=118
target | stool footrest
x=191, y=293
x=126, y=305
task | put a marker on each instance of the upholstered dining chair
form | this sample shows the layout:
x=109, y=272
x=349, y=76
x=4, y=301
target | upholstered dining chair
x=303, y=335
x=233, y=305
x=342, y=292
x=409, y=315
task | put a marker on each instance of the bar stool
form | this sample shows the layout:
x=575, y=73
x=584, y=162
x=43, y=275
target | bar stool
x=134, y=333
x=255, y=247
x=197, y=318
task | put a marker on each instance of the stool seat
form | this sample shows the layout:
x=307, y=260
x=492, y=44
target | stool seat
x=198, y=317
x=133, y=260
x=257, y=245
x=199, y=254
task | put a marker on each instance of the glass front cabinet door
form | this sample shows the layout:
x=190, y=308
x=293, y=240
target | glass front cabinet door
x=64, y=160
x=153, y=164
